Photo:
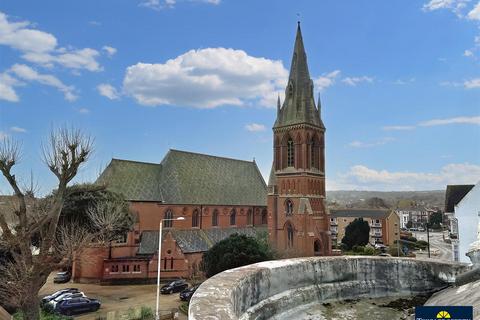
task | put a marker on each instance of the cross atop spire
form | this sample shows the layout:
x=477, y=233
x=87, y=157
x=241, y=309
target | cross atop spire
x=299, y=104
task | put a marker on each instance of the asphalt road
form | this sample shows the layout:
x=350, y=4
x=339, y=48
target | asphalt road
x=439, y=249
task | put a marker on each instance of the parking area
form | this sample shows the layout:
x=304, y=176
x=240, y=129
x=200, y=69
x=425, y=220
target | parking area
x=118, y=297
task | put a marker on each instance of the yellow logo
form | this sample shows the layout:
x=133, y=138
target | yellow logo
x=443, y=315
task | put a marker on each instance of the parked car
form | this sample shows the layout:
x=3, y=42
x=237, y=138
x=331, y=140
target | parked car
x=63, y=297
x=77, y=305
x=174, y=286
x=56, y=294
x=62, y=277
x=186, y=294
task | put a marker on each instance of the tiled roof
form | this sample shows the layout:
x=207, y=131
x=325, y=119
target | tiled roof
x=193, y=240
x=455, y=194
x=188, y=178
x=360, y=213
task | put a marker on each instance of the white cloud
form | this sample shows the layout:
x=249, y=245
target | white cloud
x=326, y=80
x=393, y=128
x=7, y=91
x=353, y=81
x=83, y=111
x=468, y=53
x=472, y=83
x=26, y=73
x=361, y=177
x=457, y=120
x=206, y=78
x=255, y=127
x=94, y=23
x=402, y=82
x=18, y=129
x=41, y=47
x=110, y=50
x=360, y=144
x=109, y=91
x=474, y=14
x=456, y=6
x=168, y=4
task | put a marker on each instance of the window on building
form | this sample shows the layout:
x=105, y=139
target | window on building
x=215, y=218
x=122, y=238
x=136, y=268
x=312, y=154
x=290, y=153
x=114, y=269
x=125, y=268
x=289, y=235
x=171, y=263
x=233, y=217
x=195, y=216
x=264, y=217
x=377, y=221
x=249, y=217
x=288, y=207
x=168, y=219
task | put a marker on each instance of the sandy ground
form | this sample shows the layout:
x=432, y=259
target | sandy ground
x=117, y=298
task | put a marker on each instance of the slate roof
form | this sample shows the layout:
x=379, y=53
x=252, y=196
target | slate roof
x=455, y=194
x=188, y=178
x=299, y=105
x=360, y=213
x=193, y=240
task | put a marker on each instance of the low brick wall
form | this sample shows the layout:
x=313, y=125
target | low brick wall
x=266, y=289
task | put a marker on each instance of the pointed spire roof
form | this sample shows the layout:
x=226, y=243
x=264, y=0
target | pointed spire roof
x=299, y=104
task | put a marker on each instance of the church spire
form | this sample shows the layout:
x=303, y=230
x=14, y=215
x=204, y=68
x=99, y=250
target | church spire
x=299, y=104
x=278, y=105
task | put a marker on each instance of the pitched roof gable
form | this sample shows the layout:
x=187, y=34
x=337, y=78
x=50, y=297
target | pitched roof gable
x=455, y=194
x=188, y=178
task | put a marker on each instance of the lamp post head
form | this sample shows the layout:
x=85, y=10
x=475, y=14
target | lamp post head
x=180, y=218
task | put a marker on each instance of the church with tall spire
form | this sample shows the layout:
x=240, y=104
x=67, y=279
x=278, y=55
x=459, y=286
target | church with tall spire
x=298, y=224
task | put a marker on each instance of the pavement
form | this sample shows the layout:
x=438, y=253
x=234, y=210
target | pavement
x=439, y=249
x=117, y=297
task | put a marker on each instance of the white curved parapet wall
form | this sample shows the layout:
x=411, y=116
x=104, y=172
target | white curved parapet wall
x=265, y=289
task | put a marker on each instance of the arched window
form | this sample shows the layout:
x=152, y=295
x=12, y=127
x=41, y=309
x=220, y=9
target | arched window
x=215, y=218
x=195, y=218
x=249, y=217
x=290, y=153
x=233, y=216
x=168, y=219
x=264, y=217
x=289, y=235
x=313, y=154
x=288, y=207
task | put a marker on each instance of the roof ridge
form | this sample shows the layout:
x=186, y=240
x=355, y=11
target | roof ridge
x=135, y=161
x=211, y=156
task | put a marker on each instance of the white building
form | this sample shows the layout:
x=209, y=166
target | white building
x=464, y=218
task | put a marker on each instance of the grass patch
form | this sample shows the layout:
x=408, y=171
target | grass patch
x=184, y=307
x=43, y=316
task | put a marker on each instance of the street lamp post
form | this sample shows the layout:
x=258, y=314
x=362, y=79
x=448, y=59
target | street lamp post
x=157, y=313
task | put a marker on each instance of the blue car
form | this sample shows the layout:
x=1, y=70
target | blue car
x=77, y=305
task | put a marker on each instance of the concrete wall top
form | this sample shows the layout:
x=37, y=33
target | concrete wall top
x=268, y=288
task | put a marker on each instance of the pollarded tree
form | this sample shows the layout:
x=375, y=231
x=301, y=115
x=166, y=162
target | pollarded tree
x=235, y=251
x=356, y=233
x=31, y=234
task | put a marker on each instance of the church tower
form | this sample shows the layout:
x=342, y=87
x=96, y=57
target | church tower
x=298, y=223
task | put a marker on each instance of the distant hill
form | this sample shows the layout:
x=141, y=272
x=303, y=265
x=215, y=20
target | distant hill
x=393, y=199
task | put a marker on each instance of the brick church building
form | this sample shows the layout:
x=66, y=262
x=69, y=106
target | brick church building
x=219, y=196
x=298, y=222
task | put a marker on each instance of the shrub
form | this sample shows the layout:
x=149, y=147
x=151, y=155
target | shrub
x=235, y=251
x=146, y=313
x=184, y=307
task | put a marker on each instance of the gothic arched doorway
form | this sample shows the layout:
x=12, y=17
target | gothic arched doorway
x=317, y=247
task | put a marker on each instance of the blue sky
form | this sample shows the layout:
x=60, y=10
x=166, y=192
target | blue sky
x=399, y=82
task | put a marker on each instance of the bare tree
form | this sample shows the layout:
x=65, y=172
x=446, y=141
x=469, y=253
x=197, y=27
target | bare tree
x=28, y=268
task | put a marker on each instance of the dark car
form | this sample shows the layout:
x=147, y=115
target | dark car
x=57, y=294
x=174, y=286
x=77, y=305
x=187, y=294
x=62, y=277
